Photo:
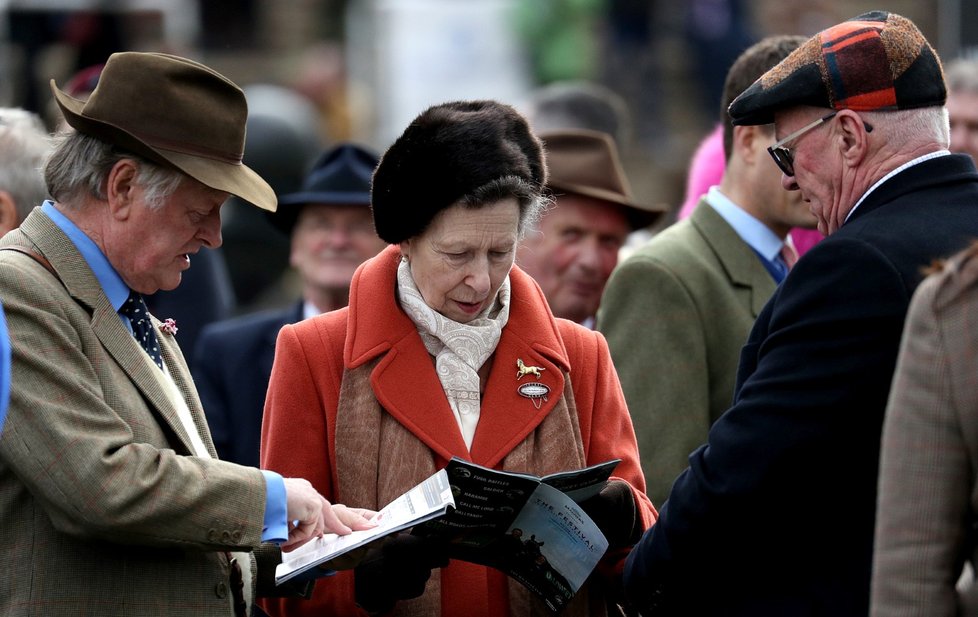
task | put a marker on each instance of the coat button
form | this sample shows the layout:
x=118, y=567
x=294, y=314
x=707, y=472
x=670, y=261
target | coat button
x=221, y=590
x=212, y=535
x=225, y=537
x=236, y=536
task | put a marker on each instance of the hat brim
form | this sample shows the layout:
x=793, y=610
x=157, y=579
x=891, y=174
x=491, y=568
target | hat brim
x=638, y=215
x=234, y=178
x=331, y=198
x=285, y=218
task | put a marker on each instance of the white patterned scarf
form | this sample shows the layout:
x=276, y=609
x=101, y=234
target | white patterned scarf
x=460, y=349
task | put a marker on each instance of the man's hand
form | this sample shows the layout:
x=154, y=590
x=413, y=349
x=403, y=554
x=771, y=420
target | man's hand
x=313, y=515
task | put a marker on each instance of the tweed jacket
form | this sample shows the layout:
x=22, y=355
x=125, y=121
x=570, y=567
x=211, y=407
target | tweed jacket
x=789, y=473
x=676, y=314
x=231, y=367
x=928, y=491
x=103, y=510
x=300, y=413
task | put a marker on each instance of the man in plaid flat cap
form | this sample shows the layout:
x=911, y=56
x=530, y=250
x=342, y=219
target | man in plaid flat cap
x=775, y=514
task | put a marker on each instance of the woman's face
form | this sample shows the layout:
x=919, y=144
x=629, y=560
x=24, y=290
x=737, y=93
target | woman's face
x=460, y=261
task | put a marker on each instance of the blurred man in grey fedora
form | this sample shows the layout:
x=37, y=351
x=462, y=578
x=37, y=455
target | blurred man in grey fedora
x=111, y=495
x=575, y=247
x=332, y=233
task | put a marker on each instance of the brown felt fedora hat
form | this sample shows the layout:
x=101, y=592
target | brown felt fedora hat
x=175, y=112
x=585, y=162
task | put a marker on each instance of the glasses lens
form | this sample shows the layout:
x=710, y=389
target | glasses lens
x=782, y=156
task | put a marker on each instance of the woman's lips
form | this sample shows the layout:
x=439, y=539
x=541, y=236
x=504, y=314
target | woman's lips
x=469, y=308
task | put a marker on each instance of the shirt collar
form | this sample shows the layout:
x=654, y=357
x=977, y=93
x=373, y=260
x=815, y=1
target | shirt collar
x=309, y=309
x=756, y=234
x=112, y=284
x=907, y=165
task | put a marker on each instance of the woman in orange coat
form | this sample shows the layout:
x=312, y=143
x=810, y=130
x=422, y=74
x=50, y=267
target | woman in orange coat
x=368, y=401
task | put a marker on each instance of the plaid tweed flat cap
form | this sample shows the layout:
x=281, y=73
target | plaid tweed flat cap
x=877, y=61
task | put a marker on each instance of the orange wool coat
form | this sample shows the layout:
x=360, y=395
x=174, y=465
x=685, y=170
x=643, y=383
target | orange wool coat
x=300, y=409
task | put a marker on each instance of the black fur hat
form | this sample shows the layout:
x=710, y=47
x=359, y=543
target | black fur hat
x=446, y=153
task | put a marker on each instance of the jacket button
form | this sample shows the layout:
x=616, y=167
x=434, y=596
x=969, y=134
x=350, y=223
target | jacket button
x=225, y=537
x=236, y=536
x=221, y=590
x=212, y=535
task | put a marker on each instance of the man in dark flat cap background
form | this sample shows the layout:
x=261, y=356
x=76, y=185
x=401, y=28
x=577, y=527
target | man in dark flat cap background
x=775, y=515
x=332, y=232
x=112, y=499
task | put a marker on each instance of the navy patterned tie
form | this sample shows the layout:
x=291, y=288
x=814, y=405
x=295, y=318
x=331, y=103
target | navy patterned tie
x=142, y=326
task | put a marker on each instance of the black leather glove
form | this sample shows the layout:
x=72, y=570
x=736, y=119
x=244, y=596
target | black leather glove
x=613, y=510
x=397, y=570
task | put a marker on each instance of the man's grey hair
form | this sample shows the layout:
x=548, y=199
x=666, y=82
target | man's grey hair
x=961, y=75
x=24, y=148
x=80, y=166
x=908, y=127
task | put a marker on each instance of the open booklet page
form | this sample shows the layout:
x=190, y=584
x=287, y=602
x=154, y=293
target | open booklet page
x=429, y=499
x=524, y=526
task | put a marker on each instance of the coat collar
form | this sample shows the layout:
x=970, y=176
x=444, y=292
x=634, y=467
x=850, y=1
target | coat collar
x=948, y=169
x=405, y=381
x=738, y=260
x=83, y=287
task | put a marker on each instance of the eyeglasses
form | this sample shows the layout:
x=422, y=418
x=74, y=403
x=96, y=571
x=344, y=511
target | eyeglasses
x=785, y=157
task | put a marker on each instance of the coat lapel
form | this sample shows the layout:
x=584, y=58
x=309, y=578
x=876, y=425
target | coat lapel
x=407, y=385
x=738, y=260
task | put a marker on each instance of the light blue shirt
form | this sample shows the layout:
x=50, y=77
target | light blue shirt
x=756, y=234
x=275, y=526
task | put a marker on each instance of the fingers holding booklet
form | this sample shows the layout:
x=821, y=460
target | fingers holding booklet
x=531, y=528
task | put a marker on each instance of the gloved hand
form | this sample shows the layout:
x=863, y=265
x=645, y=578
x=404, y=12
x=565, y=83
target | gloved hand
x=397, y=570
x=613, y=511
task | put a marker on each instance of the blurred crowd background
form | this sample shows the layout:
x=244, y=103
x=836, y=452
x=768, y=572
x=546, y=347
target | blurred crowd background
x=322, y=71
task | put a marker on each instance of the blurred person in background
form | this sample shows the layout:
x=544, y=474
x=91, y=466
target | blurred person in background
x=579, y=104
x=706, y=170
x=331, y=233
x=573, y=249
x=24, y=147
x=677, y=311
x=282, y=145
x=962, y=104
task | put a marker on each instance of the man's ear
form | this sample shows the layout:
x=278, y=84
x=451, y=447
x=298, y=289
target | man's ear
x=748, y=142
x=120, y=188
x=9, y=219
x=853, y=137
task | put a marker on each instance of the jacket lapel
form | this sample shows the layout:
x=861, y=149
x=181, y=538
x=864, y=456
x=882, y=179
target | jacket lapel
x=738, y=260
x=81, y=284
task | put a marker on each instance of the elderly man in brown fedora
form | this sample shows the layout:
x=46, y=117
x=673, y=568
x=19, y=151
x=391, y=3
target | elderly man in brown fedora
x=575, y=247
x=775, y=514
x=111, y=495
